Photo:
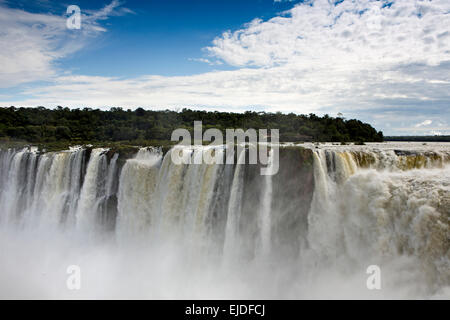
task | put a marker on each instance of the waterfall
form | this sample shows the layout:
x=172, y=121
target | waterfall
x=13, y=188
x=163, y=199
x=92, y=190
x=265, y=210
x=231, y=244
x=40, y=188
x=136, y=194
x=318, y=223
x=375, y=211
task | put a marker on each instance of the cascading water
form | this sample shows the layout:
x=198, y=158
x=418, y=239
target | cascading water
x=142, y=226
x=266, y=202
x=231, y=240
x=40, y=188
x=98, y=181
x=136, y=195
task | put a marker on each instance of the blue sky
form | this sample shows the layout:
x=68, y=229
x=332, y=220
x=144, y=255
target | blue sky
x=160, y=36
x=385, y=62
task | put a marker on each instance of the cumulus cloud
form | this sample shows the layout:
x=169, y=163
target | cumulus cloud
x=350, y=35
x=383, y=62
x=32, y=42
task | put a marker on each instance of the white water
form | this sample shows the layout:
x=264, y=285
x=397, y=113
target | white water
x=231, y=242
x=147, y=228
x=265, y=210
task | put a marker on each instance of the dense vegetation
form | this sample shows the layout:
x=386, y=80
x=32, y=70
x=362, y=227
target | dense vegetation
x=41, y=125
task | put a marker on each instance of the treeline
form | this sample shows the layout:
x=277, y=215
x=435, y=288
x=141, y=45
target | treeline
x=419, y=138
x=42, y=125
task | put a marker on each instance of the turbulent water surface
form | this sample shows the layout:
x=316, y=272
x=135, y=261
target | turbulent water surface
x=141, y=226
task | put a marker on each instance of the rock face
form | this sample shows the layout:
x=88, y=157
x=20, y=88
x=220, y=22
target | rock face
x=293, y=190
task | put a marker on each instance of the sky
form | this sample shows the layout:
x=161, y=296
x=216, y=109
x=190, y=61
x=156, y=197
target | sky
x=384, y=62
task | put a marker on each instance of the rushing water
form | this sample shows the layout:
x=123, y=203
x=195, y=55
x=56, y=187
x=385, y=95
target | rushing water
x=145, y=227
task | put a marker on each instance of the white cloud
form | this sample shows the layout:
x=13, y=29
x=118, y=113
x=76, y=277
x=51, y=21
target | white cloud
x=32, y=42
x=110, y=10
x=211, y=63
x=421, y=130
x=387, y=64
x=352, y=35
x=424, y=123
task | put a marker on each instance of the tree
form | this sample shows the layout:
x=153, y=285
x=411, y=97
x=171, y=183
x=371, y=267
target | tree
x=41, y=125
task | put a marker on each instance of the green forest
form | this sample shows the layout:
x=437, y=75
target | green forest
x=419, y=138
x=143, y=127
